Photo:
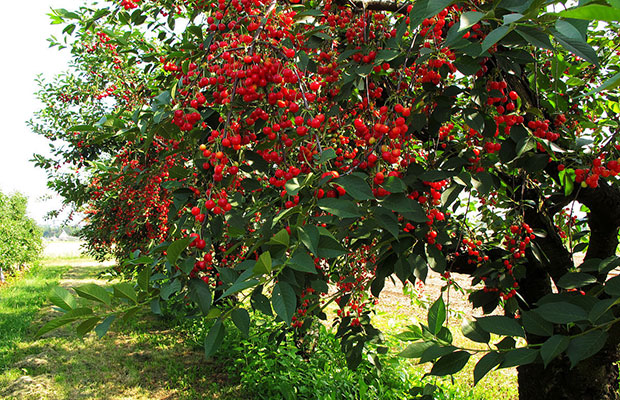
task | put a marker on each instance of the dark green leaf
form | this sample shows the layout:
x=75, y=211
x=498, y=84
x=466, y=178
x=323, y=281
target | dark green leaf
x=241, y=319
x=284, y=301
x=473, y=331
x=174, y=250
x=386, y=219
x=555, y=345
x=340, y=207
x=585, y=346
x=501, y=325
x=214, y=338
x=104, y=326
x=450, y=363
x=94, y=292
x=535, y=324
x=574, y=280
x=201, y=294
x=125, y=290
x=561, y=312
x=494, y=36
x=355, y=187
x=263, y=264
x=404, y=205
x=415, y=350
x=309, y=236
x=436, y=315
x=486, y=364
x=301, y=261
x=521, y=356
x=169, y=288
x=436, y=259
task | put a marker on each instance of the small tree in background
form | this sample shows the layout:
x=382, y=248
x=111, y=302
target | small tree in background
x=20, y=239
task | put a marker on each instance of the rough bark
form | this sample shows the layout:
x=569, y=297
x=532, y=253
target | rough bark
x=595, y=378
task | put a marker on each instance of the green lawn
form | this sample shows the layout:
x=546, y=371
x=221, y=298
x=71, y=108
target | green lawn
x=20, y=301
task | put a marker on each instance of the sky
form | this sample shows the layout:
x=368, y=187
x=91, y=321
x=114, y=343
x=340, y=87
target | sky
x=25, y=54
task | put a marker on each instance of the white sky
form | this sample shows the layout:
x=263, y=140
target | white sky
x=25, y=53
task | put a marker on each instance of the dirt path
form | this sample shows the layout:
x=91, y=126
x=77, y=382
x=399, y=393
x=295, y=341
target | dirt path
x=140, y=360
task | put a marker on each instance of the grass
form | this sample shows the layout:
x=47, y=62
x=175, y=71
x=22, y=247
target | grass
x=142, y=359
x=498, y=384
x=20, y=300
x=151, y=358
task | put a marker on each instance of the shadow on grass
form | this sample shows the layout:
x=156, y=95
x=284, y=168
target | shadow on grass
x=138, y=360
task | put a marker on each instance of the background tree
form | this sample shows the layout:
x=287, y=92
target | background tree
x=20, y=239
x=254, y=154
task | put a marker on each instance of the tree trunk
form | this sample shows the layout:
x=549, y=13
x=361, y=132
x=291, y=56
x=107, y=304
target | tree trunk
x=595, y=378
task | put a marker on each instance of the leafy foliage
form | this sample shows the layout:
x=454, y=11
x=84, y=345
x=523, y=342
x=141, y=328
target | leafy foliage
x=20, y=239
x=293, y=155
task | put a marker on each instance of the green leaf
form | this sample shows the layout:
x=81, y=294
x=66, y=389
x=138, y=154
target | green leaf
x=486, y=364
x=330, y=248
x=412, y=333
x=386, y=219
x=437, y=315
x=577, y=46
x=176, y=248
x=214, y=338
x=415, y=350
x=309, y=236
x=61, y=297
x=355, y=187
x=327, y=155
x=394, y=184
x=125, y=290
x=473, y=331
x=293, y=186
x=574, y=280
x=239, y=286
x=169, y=288
x=555, y=345
x=494, y=36
x=144, y=277
x=561, y=312
x=340, y=207
x=94, y=292
x=592, y=12
x=535, y=324
x=585, y=346
x=302, y=262
x=501, y=325
x=263, y=264
x=86, y=326
x=386, y=55
x=436, y=259
x=70, y=316
x=450, y=363
x=201, y=295
x=284, y=301
x=521, y=356
x=104, y=326
x=469, y=19
x=612, y=286
x=281, y=238
x=409, y=208
x=535, y=37
x=241, y=319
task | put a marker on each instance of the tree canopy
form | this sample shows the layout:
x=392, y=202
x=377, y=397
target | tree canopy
x=276, y=157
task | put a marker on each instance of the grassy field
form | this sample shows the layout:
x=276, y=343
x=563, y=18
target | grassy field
x=151, y=358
